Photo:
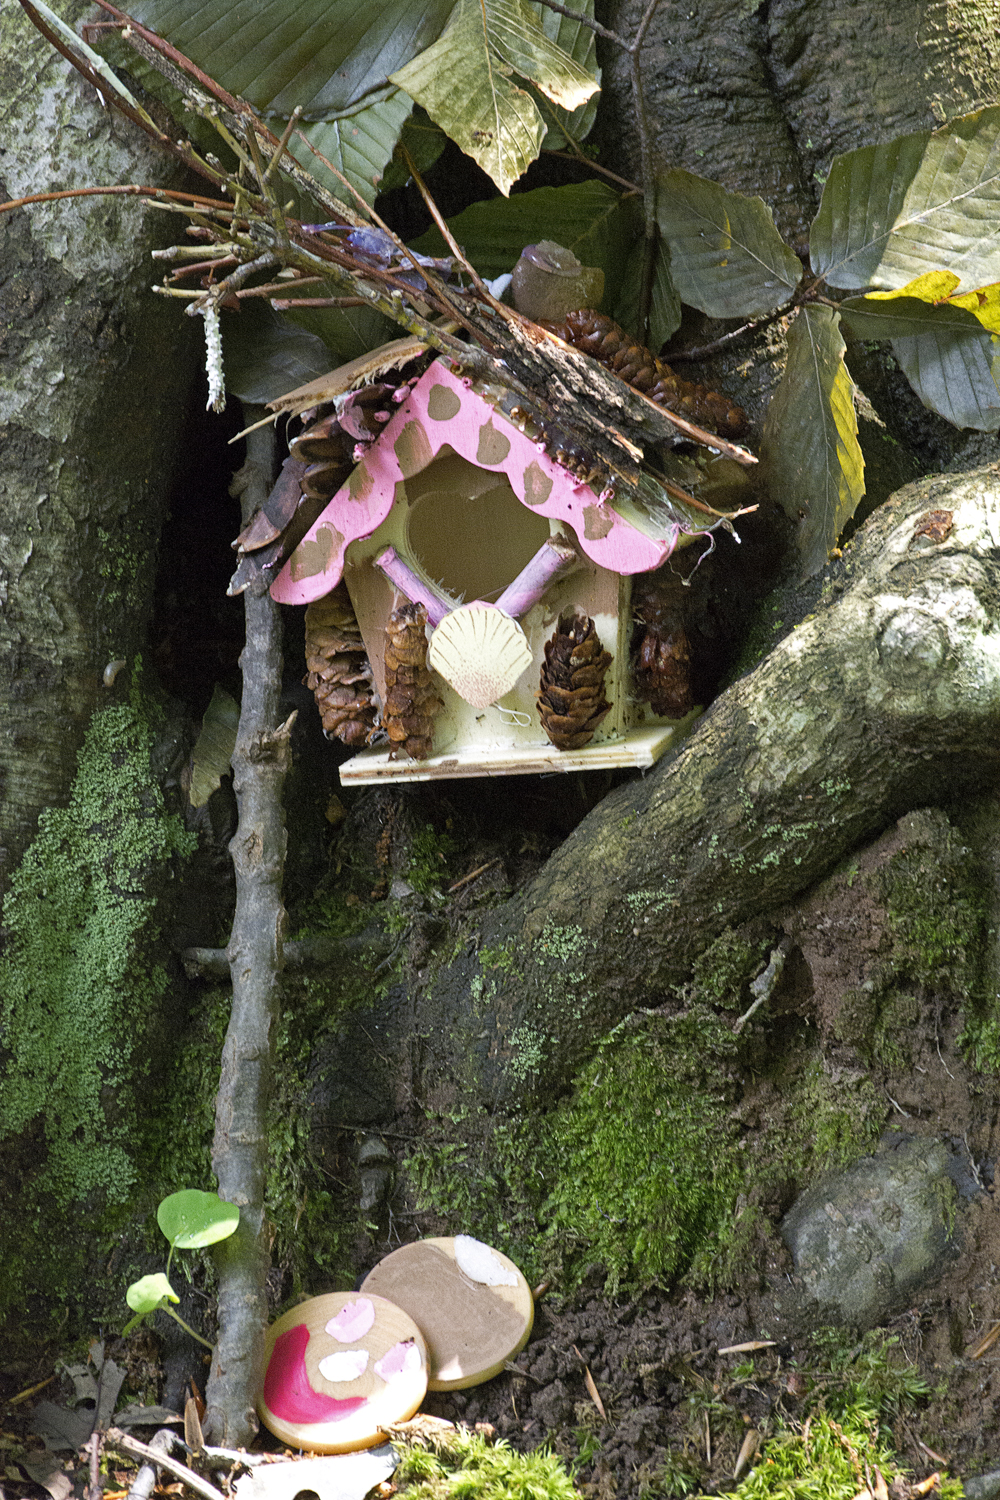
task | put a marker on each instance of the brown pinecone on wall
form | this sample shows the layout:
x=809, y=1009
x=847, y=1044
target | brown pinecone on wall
x=411, y=699
x=662, y=669
x=571, y=701
x=597, y=335
x=340, y=674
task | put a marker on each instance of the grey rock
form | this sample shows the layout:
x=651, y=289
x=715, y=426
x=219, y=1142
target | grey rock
x=982, y=1486
x=865, y=1239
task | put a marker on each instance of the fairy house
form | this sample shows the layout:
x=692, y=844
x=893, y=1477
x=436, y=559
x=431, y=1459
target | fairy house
x=461, y=540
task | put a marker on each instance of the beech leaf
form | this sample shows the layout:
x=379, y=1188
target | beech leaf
x=943, y=350
x=622, y=295
x=464, y=82
x=589, y=218
x=359, y=144
x=893, y=212
x=580, y=42
x=810, y=450
x=726, y=256
x=938, y=288
x=322, y=55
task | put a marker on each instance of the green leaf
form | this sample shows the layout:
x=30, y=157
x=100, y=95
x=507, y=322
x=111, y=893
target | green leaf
x=146, y=1294
x=359, y=144
x=423, y=140
x=944, y=351
x=623, y=301
x=726, y=256
x=810, y=451
x=192, y=1219
x=322, y=55
x=589, y=218
x=265, y=354
x=464, y=82
x=893, y=212
x=346, y=332
x=580, y=42
x=215, y=745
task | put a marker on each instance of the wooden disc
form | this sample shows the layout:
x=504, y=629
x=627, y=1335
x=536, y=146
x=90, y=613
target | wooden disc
x=338, y=1368
x=473, y=1306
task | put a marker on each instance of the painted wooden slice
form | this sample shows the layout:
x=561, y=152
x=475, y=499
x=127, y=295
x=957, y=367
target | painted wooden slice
x=473, y=1305
x=480, y=652
x=338, y=1368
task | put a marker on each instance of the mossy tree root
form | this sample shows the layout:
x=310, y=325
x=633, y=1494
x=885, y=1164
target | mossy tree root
x=240, y=1148
x=886, y=699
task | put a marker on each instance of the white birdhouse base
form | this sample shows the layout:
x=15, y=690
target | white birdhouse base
x=639, y=749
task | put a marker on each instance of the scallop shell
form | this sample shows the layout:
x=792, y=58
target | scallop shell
x=480, y=652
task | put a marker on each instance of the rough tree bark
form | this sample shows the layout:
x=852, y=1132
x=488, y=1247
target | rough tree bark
x=94, y=377
x=887, y=698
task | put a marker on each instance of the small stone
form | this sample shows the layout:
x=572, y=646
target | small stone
x=864, y=1240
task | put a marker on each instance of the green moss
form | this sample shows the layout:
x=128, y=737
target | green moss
x=74, y=979
x=938, y=923
x=80, y=984
x=646, y=1167
x=822, y=1461
x=466, y=1467
x=642, y=1174
x=848, y=1393
x=427, y=865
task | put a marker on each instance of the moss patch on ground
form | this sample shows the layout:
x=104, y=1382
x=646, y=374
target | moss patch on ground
x=462, y=1465
x=649, y=1167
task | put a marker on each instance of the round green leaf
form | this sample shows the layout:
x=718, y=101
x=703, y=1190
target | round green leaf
x=146, y=1295
x=192, y=1219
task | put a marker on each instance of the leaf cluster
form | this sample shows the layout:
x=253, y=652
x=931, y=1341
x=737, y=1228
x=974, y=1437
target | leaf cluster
x=904, y=247
x=190, y=1220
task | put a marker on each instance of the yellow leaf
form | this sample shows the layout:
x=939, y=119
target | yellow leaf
x=984, y=304
x=933, y=286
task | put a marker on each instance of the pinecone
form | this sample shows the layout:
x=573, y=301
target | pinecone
x=663, y=661
x=340, y=674
x=411, y=699
x=571, y=701
x=611, y=346
x=320, y=459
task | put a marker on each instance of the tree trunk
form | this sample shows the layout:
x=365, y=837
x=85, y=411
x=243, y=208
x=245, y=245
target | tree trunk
x=96, y=374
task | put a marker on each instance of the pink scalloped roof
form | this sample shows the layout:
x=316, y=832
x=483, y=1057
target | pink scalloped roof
x=443, y=409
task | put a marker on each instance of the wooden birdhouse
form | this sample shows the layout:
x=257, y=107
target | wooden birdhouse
x=459, y=535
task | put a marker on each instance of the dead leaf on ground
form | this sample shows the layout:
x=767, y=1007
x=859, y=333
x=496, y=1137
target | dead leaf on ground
x=592, y=1390
x=46, y=1470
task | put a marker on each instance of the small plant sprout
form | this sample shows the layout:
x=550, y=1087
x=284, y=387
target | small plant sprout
x=191, y=1220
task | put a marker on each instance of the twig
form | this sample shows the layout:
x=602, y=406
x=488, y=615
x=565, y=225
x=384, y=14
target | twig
x=442, y=225
x=645, y=168
x=595, y=166
x=298, y=954
x=127, y=1444
x=92, y=1447
x=281, y=304
x=286, y=135
x=120, y=190
x=595, y=26
x=142, y=1485
x=704, y=351
x=764, y=986
x=240, y=1146
x=479, y=870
